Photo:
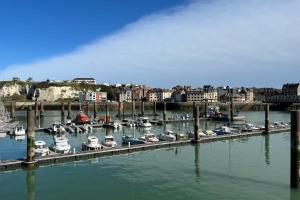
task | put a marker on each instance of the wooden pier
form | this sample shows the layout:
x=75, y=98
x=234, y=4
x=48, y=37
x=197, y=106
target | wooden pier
x=59, y=158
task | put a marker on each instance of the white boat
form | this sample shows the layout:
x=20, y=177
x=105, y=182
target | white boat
x=167, y=136
x=41, y=148
x=91, y=144
x=87, y=128
x=143, y=122
x=149, y=137
x=61, y=145
x=19, y=130
x=109, y=141
x=252, y=127
x=209, y=133
x=191, y=134
x=112, y=124
x=58, y=128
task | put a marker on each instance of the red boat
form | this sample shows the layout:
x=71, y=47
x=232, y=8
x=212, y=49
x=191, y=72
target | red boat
x=81, y=118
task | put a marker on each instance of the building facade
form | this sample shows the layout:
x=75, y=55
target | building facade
x=125, y=96
x=84, y=80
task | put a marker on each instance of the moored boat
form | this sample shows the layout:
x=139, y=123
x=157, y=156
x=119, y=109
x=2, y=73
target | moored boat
x=167, y=136
x=40, y=148
x=109, y=141
x=19, y=130
x=61, y=145
x=129, y=139
x=91, y=144
x=149, y=137
x=143, y=122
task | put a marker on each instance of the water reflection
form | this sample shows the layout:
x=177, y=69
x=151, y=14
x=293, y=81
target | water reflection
x=267, y=148
x=295, y=194
x=30, y=181
x=197, y=160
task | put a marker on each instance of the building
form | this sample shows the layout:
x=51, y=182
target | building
x=247, y=95
x=151, y=96
x=16, y=79
x=291, y=89
x=179, y=96
x=201, y=94
x=84, y=80
x=125, y=96
x=163, y=95
x=92, y=96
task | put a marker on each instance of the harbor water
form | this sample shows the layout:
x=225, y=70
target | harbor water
x=247, y=168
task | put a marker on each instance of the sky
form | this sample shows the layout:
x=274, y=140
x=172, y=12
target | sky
x=157, y=43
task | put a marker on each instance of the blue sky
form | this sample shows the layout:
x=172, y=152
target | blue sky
x=34, y=29
x=155, y=42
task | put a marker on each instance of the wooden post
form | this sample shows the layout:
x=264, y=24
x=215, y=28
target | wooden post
x=120, y=109
x=231, y=106
x=106, y=113
x=69, y=110
x=132, y=107
x=36, y=105
x=205, y=109
x=295, y=149
x=62, y=109
x=87, y=107
x=196, y=123
x=95, y=110
x=42, y=109
x=13, y=109
x=165, y=112
x=154, y=108
x=123, y=112
x=267, y=122
x=142, y=107
x=30, y=137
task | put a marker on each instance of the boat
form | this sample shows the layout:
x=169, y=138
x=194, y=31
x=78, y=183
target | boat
x=180, y=136
x=91, y=144
x=214, y=113
x=109, y=141
x=19, y=130
x=129, y=139
x=149, y=137
x=209, y=133
x=167, y=136
x=61, y=145
x=143, y=122
x=252, y=127
x=40, y=148
x=190, y=134
x=224, y=130
x=56, y=128
x=112, y=124
x=128, y=123
x=86, y=128
x=81, y=118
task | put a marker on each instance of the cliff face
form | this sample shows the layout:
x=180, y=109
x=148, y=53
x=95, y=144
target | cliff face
x=46, y=92
x=54, y=93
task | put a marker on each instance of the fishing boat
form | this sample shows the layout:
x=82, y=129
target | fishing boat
x=149, y=137
x=61, y=145
x=167, y=136
x=109, y=141
x=143, y=122
x=40, y=148
x=19, y=130
x=81, y=118
x=129, y=139
x=91, y=144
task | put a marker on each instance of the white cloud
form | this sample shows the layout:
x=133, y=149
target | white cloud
x=249, y=42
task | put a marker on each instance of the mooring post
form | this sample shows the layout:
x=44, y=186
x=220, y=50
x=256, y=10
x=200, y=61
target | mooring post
x=142, y=107
x=165, y=112
x=205, y=109
x=13, y=109
x=231, y=106
x=196, y=123
x=154, y=108
x=95, y=110
x=106, y=113
x=36, y=106
x=295, y=148
x=267, y=122
x=62, y=108
x=30, y=137
x=123, y=111
x=87, y=107
x=119, y=109
x=42, y=109
x=132, y=107
x=69, y=110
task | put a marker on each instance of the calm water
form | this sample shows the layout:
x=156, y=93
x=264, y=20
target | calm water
x=248, y=168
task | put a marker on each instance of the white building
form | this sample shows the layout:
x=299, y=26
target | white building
x=84, y=80
x=125, y=96
x=201, y=95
